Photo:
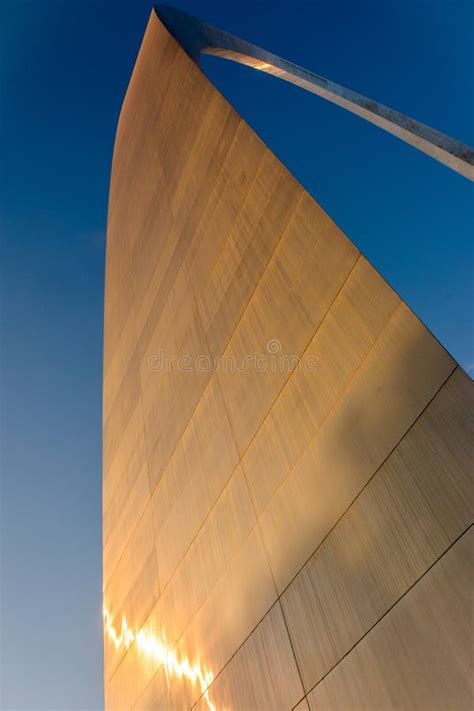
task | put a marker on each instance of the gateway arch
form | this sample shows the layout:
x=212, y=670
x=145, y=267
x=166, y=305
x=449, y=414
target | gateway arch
x=287, y=467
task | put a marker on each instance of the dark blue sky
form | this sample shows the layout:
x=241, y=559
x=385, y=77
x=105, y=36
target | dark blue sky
x=64, y=68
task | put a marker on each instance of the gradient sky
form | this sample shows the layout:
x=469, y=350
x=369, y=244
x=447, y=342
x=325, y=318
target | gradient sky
x=64, y=68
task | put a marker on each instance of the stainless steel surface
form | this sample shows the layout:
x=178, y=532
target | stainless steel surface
x=198, y=37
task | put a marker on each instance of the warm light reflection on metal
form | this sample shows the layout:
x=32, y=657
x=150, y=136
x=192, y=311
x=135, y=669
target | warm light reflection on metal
x=151, y=646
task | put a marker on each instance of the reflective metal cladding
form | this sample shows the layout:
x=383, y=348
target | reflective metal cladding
x=287, y=468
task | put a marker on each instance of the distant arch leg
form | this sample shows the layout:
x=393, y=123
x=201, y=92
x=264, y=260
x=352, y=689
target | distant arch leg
x=197, y=37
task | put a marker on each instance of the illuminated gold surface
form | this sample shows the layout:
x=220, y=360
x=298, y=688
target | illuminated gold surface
x=152, y=646
x=268, y=533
